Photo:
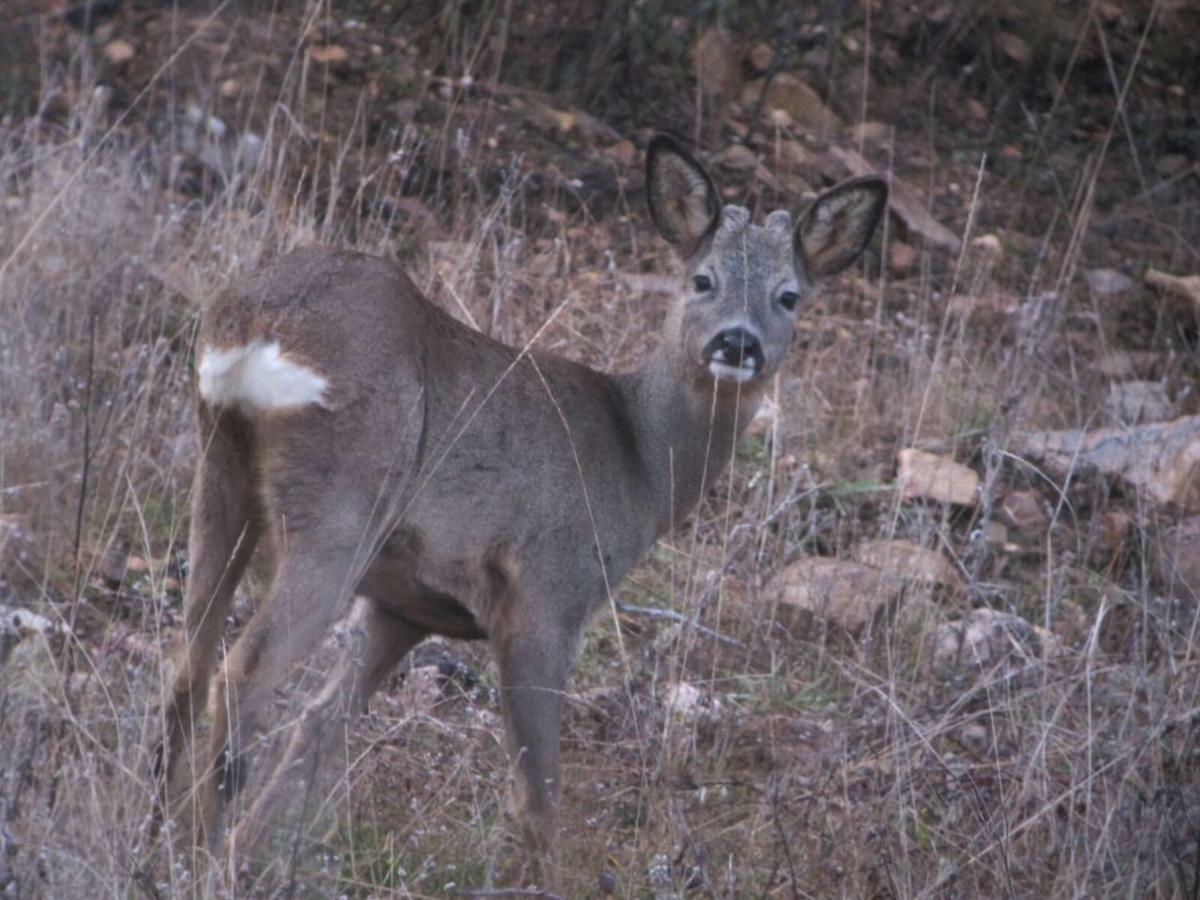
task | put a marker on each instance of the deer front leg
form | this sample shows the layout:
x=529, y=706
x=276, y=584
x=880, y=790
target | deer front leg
x=533, y=674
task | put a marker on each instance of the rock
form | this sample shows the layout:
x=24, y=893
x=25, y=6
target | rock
x=796, y=154
x=1186, y=286
x=1108, y=282
x=119, y=52
x=902, y=199
x=1162, y=459
x=868, y=133
x=759, y=57
x=986, y=638
x=901, y=257
x=797, y=99
x=1014, y=47
x=846, y=594
x=1001, y=304
x=989, y=247
x=623, y=152
x=1133, y=402
x=737, y=158
x=909, y=561
x=16, y=624
x=328, y=54
x=931, y=477
x=688, y=701
x=1170, y=164
x=1174, y=559
x=1024, y=511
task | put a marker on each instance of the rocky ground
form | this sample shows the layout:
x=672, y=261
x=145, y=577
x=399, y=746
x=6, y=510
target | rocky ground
x=935, y=634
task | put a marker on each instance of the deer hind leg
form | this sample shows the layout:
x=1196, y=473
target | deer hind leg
x=312, y=582
x=375, y=642
x=225, y=526
x=534, y=663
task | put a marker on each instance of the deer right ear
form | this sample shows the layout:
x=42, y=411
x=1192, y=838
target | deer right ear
x=683, y=199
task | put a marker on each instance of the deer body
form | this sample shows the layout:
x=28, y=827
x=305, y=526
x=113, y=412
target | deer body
x=456, y=485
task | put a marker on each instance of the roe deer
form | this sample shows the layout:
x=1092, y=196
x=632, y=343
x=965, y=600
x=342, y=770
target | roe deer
x=458, y=486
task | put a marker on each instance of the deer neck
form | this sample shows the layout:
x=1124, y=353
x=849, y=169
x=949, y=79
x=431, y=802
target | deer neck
x=685, y=435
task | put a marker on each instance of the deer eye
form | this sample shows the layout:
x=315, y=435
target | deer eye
x=702, y=283
x=789, y=299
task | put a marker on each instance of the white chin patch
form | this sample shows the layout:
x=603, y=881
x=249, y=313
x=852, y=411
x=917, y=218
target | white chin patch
x=258, y=377
x=725, y=372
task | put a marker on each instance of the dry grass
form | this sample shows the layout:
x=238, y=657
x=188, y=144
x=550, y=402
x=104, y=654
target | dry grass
x=816, y=763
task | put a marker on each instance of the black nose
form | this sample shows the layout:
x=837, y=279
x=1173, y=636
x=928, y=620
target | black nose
x=736, y=347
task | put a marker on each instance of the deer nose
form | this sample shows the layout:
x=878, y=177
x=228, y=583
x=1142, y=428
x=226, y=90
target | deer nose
x=736, y=347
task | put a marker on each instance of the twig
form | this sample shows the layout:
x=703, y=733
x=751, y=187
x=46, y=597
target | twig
x=654, y=612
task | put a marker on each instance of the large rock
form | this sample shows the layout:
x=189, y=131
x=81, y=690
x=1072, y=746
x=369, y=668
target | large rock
x=797, y=99
x=1134, y=402
x=839, y=592
x=909, y=562
x=1161, y=460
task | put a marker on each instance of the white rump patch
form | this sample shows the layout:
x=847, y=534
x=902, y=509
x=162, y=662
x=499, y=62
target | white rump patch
x=258, y=377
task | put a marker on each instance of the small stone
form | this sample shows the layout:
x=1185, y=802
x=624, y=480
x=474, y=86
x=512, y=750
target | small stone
x=932, y=477
x=329, y=54
x=1024, y=511
x=1014, y=47
x=683, y=698
x=1107, y=282
x=119, y=52
x=869, y=132
x=759, y=57
x=986, y=638
x=989, y=246
x=1183, y=286
x=901, y=257
x=737, y=158
x=1170, y=164
x=623, y=153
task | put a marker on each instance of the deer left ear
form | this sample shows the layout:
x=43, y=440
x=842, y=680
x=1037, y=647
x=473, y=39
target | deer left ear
x=839, y=225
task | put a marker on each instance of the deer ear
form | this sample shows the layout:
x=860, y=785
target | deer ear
x=839, y=225
x=683, y=199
